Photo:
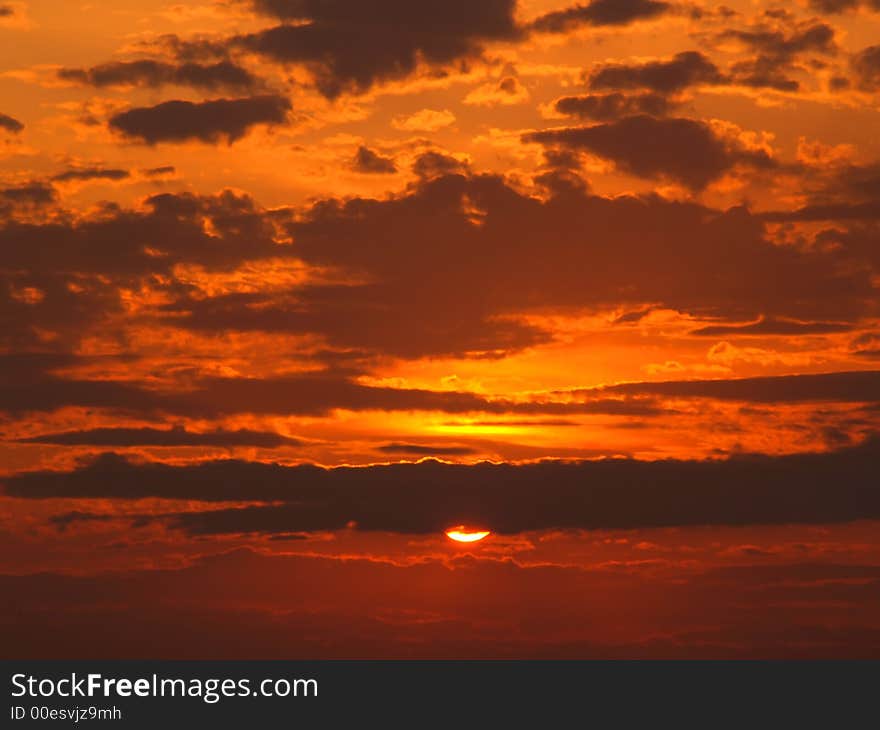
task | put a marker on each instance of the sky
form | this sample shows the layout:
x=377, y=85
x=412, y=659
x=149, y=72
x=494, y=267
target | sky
x=289, y=288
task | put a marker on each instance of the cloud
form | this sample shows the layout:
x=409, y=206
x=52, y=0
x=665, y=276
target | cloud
x=10, y=124
x=160, y=171
x=349, y=46
x=684, y=70
x=807, y=37
x=177, y=436
x=390, y=297
x=607, y=107
x=371, y=162
x=847, y=387
x=508, y=91
x=428, y=496
x=91, y=173
x=426, y=120
x=425, y=450
x=833, y=7
x=434, y=164
x=126, y=244
x=153, y=74
x=691, y=69
x=77, y=265
x=207, y=121
x=28, y=387
x=778, y=46
x=243, y=604
x=773, y=326
x=685, y=150
x=599, y=13
x=35, y=193
x=866, y=345
x=866, y=66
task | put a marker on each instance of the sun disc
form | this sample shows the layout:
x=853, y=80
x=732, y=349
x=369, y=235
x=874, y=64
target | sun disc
x=465, y=534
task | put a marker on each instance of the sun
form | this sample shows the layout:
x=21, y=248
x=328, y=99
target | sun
x=460, y=533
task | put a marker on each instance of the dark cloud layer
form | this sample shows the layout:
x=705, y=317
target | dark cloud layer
x=771, y=326
x=685, y=150
x=208, y=121
x=686, y=69
x=428, y=497
x=848, y=387
x=152, y=74
x=866, y=66
x=425, y=450
x=842, y=6
x=10, y=124
x=27, y=390
x=349, y=45
x=406, y=300
x=36, y=193
x=466, y=607
x=371, y=162
x=159, y=171
x=810, y=37
x=178, y=436
x=91, y=173
x=599, y=13
x=607, y=107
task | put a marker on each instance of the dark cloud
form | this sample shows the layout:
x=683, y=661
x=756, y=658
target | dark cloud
x=779, y=48
x=207, y=121
x=685, y=150
x=6, y=11
x=607, y=107
x=866, y=66
x=436, y=164
x=160, y=171
x=244, y=604
x=599, y=13
x=637, y=315
x=10, y=124
x=371, y=162
x=866, y=345
x=843, y=6
x=773, y=326
x=70, y=270
x=119, y=242
x=425, y=450
x=349, y=45
x=39, y=389
x=91, y=173
x=406, y=300
x=693, y=69
x=178, y=436
x=414, y=303
x=684, y=70
x=810, y=37
x=847, y=387
x=149, y=73
x=35, y=193
x=840, y=211
x=429, y=496
x=764, y=72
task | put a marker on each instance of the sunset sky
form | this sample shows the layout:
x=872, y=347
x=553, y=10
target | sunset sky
x=292, y=287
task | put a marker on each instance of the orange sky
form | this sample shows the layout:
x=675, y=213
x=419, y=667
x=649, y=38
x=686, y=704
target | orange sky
x=625, y=250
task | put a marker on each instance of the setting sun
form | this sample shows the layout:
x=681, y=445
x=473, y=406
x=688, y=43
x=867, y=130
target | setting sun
x=464, y=534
